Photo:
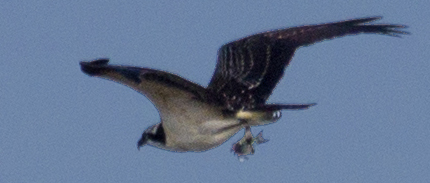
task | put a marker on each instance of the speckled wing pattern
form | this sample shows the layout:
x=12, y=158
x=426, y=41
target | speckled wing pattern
x=248, y=69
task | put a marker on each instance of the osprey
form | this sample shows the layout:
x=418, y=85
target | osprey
x=197, y=118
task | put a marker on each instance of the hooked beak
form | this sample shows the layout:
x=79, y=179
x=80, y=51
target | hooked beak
x=143, y=141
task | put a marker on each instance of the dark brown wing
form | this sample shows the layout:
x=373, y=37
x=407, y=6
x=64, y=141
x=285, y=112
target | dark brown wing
x=248, y=69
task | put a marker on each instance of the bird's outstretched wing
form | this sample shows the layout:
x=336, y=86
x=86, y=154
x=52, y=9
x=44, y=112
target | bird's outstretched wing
x=248, y=69
x=158, y=86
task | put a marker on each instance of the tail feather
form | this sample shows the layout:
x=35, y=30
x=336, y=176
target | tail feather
x=268, y=113
x=277, y=107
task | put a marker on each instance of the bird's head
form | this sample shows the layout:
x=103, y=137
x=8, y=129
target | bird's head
x=153, y=136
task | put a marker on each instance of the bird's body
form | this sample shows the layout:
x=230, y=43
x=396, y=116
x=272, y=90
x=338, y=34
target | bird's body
x=207, y=123
x=195, y=118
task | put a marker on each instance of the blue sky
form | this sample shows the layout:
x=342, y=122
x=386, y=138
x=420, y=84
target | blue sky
x=57, y=124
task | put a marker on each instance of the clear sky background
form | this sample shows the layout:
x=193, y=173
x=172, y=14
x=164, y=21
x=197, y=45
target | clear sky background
x=57, y=124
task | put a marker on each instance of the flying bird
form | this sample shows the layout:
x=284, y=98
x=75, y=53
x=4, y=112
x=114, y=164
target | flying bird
x=197, y=118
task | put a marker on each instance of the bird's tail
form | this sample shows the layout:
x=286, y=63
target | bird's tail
x=268, y=113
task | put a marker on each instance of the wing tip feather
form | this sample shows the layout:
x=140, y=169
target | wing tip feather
x=94, y=67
